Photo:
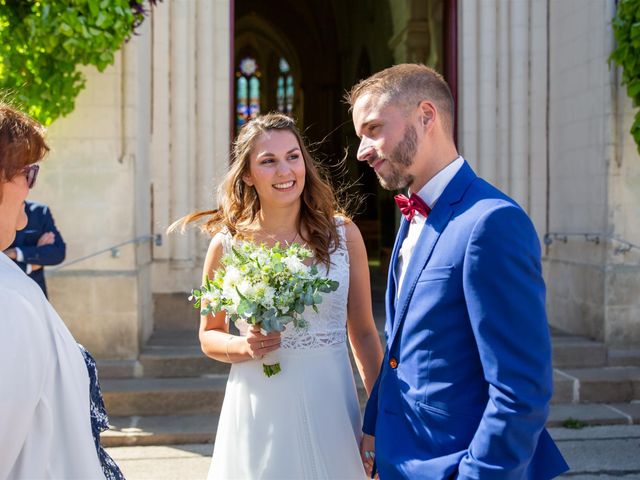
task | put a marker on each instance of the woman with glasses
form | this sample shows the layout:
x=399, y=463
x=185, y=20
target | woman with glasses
x=50, y=406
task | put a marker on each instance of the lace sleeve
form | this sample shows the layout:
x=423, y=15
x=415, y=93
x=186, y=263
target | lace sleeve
x=342, y=250
x=225, y=239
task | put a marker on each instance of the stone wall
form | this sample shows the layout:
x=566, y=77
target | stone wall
x=147, y=143
x=544, y=118
x=95, y=184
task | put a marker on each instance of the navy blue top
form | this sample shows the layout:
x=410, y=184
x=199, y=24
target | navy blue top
x=99, y=419
x=40, y=222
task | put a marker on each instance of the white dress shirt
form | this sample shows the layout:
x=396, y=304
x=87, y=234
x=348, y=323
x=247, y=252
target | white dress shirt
x=45, y=424
x=20, y=258
x=430, y=193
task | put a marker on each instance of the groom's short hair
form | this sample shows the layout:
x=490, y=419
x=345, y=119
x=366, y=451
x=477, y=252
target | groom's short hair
x=407, y=85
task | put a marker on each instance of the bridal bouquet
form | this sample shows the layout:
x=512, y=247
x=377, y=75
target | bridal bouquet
x=268, y=287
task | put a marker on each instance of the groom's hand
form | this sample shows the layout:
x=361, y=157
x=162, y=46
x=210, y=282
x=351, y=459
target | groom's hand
x=368, y=452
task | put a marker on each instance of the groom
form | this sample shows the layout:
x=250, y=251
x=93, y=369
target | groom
x=466, y=380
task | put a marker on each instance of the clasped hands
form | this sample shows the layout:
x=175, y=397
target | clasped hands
x=368, y=453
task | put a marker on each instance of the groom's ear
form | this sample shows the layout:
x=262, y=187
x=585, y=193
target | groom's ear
x=428, y=113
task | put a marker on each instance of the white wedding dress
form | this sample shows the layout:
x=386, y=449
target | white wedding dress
x=304, y=422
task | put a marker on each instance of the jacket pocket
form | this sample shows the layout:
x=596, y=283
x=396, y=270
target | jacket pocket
x=433, y=274
x=447, y=432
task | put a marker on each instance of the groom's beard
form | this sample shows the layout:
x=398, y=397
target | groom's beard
x=398, y=161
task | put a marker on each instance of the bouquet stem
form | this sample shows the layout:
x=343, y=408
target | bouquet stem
x=271, y=364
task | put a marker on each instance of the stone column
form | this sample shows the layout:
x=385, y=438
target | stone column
x=223, y=107
x=487, y=99
x=538, y=157
x=519, y=181
x=468, y=103
x=160, y=132
x=181, y=107
x=504, y=98
x=205, y=91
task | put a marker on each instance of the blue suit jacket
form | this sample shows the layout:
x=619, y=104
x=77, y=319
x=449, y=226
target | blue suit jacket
x=40, y=222
x=469, y=395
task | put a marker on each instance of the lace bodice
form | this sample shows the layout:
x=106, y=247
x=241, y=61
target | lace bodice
x=328, y=325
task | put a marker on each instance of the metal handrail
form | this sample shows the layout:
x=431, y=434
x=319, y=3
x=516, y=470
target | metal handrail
x=114, y=249
x=594, y=237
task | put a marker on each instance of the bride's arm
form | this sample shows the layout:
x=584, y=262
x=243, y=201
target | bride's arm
x=215, y=340
x=363, y=335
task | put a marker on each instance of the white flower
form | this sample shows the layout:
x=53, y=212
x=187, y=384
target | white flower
x=294, y=264
x=247, y=289
x=232, y=277
x=268, y=294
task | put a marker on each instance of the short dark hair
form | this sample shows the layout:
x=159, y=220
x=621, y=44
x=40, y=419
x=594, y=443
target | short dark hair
x=408, y=84
x=21, y=141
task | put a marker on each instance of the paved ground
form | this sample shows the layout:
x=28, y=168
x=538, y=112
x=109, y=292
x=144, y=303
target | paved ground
x=595, y=453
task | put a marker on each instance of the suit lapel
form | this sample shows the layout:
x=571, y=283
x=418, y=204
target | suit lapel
x=435, y=224
x=438, y=218
x=392, y=279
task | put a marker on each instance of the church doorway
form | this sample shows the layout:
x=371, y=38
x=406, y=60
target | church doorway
x=301, y=56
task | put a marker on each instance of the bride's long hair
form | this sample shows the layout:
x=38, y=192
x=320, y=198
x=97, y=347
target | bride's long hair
x=239, y=203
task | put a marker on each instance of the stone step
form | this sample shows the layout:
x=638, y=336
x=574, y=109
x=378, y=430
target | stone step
x=200, y=395
x=163, y=396
x=597, y=385
x=572, y=351
x=173, y=338
x=583, y=415
x=176, y=354
x=172, y=396
x=201, y=428
x=172, y=311
x=203, y=393
x=624, y=357
x=160, y=430
x=171, y=362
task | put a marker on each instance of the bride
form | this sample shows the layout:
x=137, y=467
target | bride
x=304, y=422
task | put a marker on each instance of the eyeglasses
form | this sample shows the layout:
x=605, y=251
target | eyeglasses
x=31, y=172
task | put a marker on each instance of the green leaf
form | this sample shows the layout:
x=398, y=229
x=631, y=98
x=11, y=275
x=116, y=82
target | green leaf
x=633, y=89
x=66, y=30
x=41, y=50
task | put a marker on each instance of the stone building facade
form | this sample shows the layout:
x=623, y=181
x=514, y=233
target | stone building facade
x=540, y=114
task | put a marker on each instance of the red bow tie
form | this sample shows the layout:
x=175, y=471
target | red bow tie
x=412, y=205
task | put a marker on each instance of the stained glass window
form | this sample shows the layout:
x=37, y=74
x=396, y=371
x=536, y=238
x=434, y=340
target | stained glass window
x=285, y=89
x=247, y=91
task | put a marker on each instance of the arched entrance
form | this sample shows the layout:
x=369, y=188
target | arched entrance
x=330, y=45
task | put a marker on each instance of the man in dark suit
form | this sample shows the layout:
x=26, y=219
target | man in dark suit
x=466, y=381
x=38, y=245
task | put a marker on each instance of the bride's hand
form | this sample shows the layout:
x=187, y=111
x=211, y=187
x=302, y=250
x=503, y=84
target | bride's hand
x=259, y=345
x=367, y=452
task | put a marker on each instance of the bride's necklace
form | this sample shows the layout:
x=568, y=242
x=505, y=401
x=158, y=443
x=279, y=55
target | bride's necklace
x=275, y=238
x=286, y=242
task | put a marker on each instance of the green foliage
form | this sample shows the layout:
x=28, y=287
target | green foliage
x=626, y=29
x=42, y=43
x=573, y=423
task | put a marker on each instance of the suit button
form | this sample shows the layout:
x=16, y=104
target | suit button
x=393, y=363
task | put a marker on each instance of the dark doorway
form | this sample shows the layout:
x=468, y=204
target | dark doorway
x=328, y=45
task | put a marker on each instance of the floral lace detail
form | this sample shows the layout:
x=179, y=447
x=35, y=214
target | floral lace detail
x=99, y=418
x=328, y=325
